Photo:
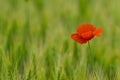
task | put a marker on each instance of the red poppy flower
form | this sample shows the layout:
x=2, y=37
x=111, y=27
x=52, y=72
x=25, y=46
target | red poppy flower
x=86, y=32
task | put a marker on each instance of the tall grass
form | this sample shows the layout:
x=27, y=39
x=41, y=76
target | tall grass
x=35, y=41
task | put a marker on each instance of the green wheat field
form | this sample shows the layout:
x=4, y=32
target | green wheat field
x=36, y=44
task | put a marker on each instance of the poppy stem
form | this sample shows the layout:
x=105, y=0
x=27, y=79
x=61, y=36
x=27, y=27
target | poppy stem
x=89, y=47
x=90, y=59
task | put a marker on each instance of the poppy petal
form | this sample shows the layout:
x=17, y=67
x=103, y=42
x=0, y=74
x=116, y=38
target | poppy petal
x=85, y=28
x=87, y=35
x=98, y=32
x=77, y=38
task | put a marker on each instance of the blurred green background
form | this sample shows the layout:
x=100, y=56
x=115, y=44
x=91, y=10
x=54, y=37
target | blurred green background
x=35, y=42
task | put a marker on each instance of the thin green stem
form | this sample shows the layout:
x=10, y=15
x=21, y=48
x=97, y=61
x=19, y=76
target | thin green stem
x=89, y=47
x=90, y=57
x=88, y=60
